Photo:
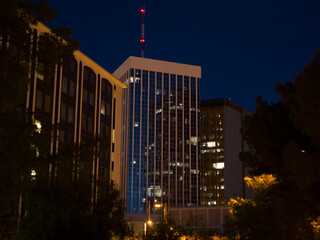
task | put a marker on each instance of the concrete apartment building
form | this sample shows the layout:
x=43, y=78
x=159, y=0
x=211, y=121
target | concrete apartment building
x=85, y=100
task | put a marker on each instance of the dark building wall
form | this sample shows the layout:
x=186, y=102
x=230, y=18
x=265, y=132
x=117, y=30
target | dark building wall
x=233, y=145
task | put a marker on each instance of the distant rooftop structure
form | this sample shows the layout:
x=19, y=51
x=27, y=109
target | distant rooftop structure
x=222, y=101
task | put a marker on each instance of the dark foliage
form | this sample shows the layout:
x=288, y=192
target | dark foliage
x=284, y=140
x=163, y=231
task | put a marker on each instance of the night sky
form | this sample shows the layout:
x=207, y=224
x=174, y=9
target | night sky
x=243, y=46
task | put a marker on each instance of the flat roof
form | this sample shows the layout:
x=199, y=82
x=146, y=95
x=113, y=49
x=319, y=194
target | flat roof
x=222, y=102
x=158, y=66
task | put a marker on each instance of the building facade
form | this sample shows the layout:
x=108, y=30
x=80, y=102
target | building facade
x=205, y=218
x=163, y=132
x=85, y=101
x=221, y=171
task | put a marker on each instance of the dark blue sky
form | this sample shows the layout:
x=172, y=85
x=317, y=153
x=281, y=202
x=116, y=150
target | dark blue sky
x=243, y=46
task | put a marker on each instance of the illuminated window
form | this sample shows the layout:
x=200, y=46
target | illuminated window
x=211, y=144
x=36, y=150
x=40, y=76
x=38, y=125
x=33, y=174
x=158, y=191
x=218, y=165
x=194, y=140
x=103, y=107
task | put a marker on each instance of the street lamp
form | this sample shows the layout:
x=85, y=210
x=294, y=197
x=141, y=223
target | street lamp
x=148, y=222
x=165, y=210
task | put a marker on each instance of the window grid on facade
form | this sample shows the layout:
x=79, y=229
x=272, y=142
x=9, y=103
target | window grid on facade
x=163, y=139
x=212, y=156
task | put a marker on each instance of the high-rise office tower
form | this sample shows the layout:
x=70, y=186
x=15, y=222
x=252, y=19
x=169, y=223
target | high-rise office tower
x=221, y=171
x=163, y=132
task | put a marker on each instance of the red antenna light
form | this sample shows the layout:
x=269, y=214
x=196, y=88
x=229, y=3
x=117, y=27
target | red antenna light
x=142, y=40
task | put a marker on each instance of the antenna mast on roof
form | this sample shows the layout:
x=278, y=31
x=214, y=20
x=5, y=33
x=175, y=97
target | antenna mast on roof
x=143, y=13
